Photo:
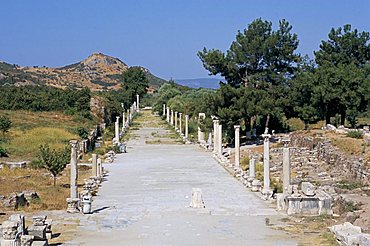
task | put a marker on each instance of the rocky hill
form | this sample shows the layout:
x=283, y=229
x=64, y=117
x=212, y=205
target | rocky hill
x=98, y=72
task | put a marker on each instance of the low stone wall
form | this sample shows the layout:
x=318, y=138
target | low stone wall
x=339, y=164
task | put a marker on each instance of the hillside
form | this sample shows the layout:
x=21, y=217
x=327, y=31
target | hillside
x=98, y=72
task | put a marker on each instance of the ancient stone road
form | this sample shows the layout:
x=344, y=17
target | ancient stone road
x=147, y=193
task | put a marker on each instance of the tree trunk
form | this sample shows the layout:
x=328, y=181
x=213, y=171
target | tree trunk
x=327, y=117
x=342, y=117
x=267, y=121
x=54, y=180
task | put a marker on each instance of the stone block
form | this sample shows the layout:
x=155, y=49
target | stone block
x=197, y=199
x=280, y=202
x=308, y=189
x=39, y=220
x=10, y=229
x=39, y=232
x=27, y=240
x=256, y=185
x=348, y=234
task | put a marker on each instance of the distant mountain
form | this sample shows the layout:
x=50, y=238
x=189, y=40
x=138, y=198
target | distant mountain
x=98, y=72
x=210, y=83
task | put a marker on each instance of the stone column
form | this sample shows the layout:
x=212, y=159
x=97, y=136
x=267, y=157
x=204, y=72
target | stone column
x=134, y=107
x=219, y=144
x=138, y=102
x=171, y=118
x=175, y=119
x=237, y=145
x=168, y=115
x=180, y=123
x=215, y=135
x=123, y=121
x=266, y=164
x=186, y=127
x=94, y=170
x=73, y=200
x=252, y=167
x=286, y=166
x=200, y=133
x=116, y=129
x=164, y=110
x=128, y=117
x=100, y=168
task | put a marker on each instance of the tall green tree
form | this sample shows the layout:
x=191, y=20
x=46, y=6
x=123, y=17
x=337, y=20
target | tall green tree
x=260, y=58
x=342, y=73
x=134, y=82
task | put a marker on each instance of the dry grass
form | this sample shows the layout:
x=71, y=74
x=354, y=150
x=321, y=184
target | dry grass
x=348, y=145
x=311, y=230
x=51, y=198
x=31, y=129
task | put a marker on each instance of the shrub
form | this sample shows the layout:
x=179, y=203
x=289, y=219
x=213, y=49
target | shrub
x=295, y=124
x=3, y=152
x=354, y=134
x=244, y=163
x=82, y=132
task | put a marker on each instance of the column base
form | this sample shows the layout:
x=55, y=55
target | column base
x=73, y=205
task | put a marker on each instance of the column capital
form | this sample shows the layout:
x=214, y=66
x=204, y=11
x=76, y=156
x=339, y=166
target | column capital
x=266, y=136
x=216, y=120
x=237, y=127
x=180, y=114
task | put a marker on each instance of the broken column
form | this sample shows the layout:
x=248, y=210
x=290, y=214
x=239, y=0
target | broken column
x=286, y=166
x=200, y=133
x=164, y=110
x=186, y=127
x=175, y=119
x=168, y=115
x=100, y=168
x=73, y=200
x=215, y=137
x=266, y=164
x=180, y=123
x=196, y=198
x=237, y=145
x=94, y=170
x=138, y=102
x=252, y=172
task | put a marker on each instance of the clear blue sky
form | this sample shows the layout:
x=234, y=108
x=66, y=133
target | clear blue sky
x=162, y=35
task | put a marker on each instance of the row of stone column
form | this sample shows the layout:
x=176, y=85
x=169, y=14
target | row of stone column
x=135, y=107
x=96, y=175
x=174, y=118
x=266, y=161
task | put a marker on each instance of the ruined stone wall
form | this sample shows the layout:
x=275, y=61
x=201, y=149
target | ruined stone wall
x=338, y=163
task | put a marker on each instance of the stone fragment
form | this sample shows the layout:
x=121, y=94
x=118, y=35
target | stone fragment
x=39, y=232
x=256, y=185
x=196, y=198
x=27, y=240
x=308, y=189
